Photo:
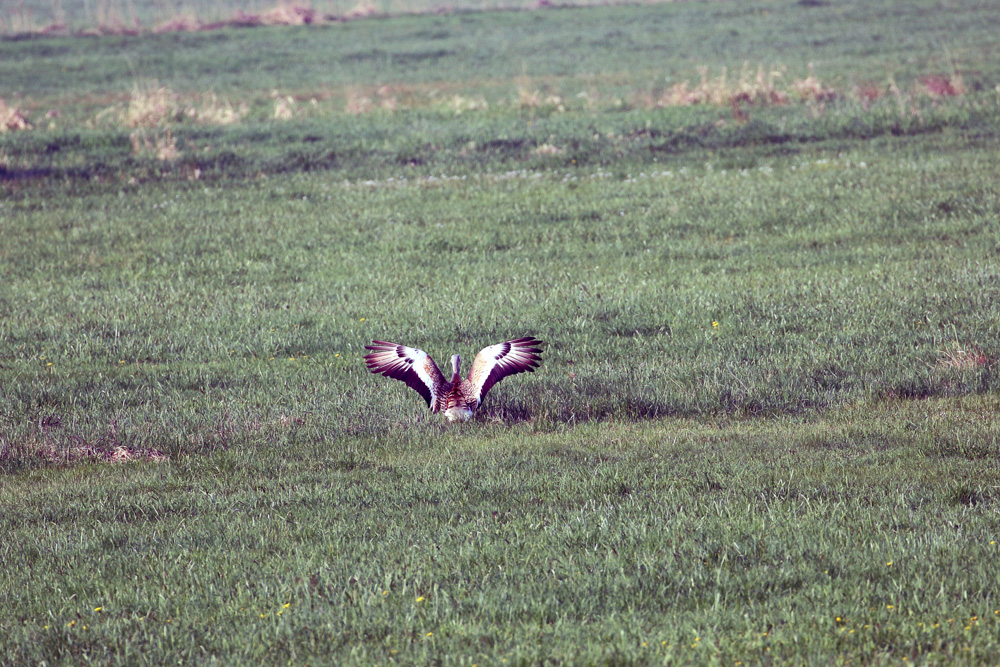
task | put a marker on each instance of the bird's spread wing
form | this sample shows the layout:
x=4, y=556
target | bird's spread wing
x=496, y=362
x=412, y=366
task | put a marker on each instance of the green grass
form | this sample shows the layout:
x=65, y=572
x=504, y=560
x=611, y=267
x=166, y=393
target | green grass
x=613, y=48
x=867, y=535
x=764, y=428
x=27, y=17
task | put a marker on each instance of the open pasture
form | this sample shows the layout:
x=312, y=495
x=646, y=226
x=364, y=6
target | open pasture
x=764, y=430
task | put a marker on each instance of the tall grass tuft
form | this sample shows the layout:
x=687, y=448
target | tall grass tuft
x=11, y=118
x=153, y=113
x=359, y=101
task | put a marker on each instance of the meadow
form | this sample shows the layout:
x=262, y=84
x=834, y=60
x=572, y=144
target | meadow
x=761, y=242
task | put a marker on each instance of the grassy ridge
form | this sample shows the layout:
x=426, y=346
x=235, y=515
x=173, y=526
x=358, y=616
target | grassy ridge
x=438, y=143
x=764, y=430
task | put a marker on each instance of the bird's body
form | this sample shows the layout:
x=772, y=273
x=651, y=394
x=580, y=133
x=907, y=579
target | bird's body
x=458, y=398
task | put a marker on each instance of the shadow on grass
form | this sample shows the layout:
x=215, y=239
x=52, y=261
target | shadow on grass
x=595, y=401
x=506, y=411
x=30, y=174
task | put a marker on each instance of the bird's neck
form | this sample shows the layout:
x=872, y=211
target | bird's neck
x=456, y=363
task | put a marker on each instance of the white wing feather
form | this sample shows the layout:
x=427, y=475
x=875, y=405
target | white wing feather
x=409, y=365
x=496, y=362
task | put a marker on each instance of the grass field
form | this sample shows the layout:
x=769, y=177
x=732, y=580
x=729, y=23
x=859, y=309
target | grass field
x=24, y=18
x=764, y=430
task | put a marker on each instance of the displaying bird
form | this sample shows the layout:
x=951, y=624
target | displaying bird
x=458, y=399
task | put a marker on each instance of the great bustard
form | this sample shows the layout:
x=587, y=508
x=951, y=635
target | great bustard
x=457, y=399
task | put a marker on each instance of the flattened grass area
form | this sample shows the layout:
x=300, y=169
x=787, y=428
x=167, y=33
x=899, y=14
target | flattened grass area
x=764, y=430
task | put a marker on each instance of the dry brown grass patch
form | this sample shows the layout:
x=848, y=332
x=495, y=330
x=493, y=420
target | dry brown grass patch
x=810, y=89
x=756, y=88
x=12, y=119
x=547, y=149
x=150, y=106
x=107, y=450
x=533, y=98
x=154, y=142
x=213, y=110
x=284, y=106
x=182, y=23
x=940, y=85
x=961, y=357
x=868, y=92
x=460, y=104
x=751, y=87
x=157, y=106
x=400, y=97
x=360, y=101
x=282, y=14
x=153, y=111
x=290, y=14
x=363, y=9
